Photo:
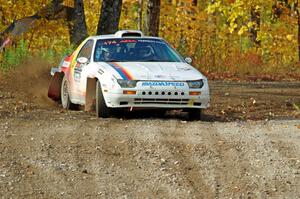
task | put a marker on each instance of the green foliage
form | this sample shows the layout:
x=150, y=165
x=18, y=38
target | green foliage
x=22, y=50
x=67, y=50
x=14, y=56
x=9, y=60
x=48, y=55
x=52, y=56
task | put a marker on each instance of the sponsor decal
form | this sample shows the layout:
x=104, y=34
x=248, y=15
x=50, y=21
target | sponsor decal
x=122, y=71
x=77, y=73
x=77, y=77
x=152, y=41
x=128, y=41
x=176, y=84
x=100, y=71
x=110, y=42
x=115, y=42
x=66, y=64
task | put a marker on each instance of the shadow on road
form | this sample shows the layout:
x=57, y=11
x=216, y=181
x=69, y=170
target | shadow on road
x=165, y=114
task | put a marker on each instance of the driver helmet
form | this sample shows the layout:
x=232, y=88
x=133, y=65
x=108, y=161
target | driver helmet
x=146, y=51
x=105, y=50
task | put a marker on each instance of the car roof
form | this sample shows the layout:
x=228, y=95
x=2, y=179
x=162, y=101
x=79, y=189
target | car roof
x=114, y=37
x=119, y=35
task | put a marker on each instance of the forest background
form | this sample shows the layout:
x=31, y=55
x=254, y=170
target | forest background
x=225, y=38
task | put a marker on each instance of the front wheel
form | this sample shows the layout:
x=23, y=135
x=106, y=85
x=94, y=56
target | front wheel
x=101, y=109
x=194, y=114
x=65, y=97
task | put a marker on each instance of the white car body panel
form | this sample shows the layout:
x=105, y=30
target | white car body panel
x=147, y=73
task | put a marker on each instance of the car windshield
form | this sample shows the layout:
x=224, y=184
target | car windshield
x=134, y=50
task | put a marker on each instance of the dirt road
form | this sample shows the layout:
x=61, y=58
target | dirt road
x=75, y=155
x=247, y=146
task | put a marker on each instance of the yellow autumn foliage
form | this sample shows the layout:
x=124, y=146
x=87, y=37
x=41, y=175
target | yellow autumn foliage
x=215, y=35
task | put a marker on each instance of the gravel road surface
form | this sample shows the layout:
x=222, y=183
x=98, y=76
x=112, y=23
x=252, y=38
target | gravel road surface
x=246, y=146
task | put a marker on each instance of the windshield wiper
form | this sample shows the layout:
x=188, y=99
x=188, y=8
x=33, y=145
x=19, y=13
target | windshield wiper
x=112, y=60
x=155, y=60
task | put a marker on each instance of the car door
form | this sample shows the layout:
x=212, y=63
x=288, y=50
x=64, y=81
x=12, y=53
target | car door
x=79, y=78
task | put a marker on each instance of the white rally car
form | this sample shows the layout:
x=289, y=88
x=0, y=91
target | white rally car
x=128, y=70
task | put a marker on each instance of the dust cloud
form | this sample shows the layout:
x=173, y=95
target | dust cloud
x=30, y=80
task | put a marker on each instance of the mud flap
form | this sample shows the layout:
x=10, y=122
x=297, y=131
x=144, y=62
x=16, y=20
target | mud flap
x=55, y=85
x=90, y=97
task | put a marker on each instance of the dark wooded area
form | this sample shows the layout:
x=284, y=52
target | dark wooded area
x=109, y=17
x=152, y=18
x=219, y=35
x=77, y=23
x=108, y=21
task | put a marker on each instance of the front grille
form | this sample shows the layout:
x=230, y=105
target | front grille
x=161, y=101
x=170, y=93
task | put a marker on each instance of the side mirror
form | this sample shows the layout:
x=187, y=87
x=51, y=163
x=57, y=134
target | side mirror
x=188, y=60
x=82, y=60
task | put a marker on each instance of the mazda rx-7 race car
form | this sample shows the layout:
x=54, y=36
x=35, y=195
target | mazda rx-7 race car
x=128, y=70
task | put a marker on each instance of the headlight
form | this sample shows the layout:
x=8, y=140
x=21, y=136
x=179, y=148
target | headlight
x=196, y=84
x=127, y=83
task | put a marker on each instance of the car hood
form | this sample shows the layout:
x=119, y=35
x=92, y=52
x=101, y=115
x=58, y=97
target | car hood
x=169, y=71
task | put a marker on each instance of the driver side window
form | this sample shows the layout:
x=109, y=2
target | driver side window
x=86, y=50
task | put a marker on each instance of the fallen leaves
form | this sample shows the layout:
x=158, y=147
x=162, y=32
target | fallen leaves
x=296, y=107
x=251, y=78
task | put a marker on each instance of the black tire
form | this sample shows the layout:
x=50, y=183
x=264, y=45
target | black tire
x=194, y=114
x=101, y=109
x=65, y=97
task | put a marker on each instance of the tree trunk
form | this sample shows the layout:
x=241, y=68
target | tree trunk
x=298, y=15
x=152, y=18
x=77, y=24
x=51, y=11
x=255, y=18
x=140, y=12
x=109, y=17
x=54, y=10
x=2, y=17
x=194, y=2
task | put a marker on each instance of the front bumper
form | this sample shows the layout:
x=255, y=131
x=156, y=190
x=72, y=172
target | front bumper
x=158, y=98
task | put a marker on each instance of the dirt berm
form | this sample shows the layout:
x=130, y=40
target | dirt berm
x=247, y=146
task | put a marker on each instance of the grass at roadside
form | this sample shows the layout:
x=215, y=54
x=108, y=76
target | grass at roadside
x=14, y=57
x=243, y=67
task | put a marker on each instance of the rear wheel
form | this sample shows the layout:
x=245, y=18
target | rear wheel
x=65, y=97
x=101, y=109
x=194, y=114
